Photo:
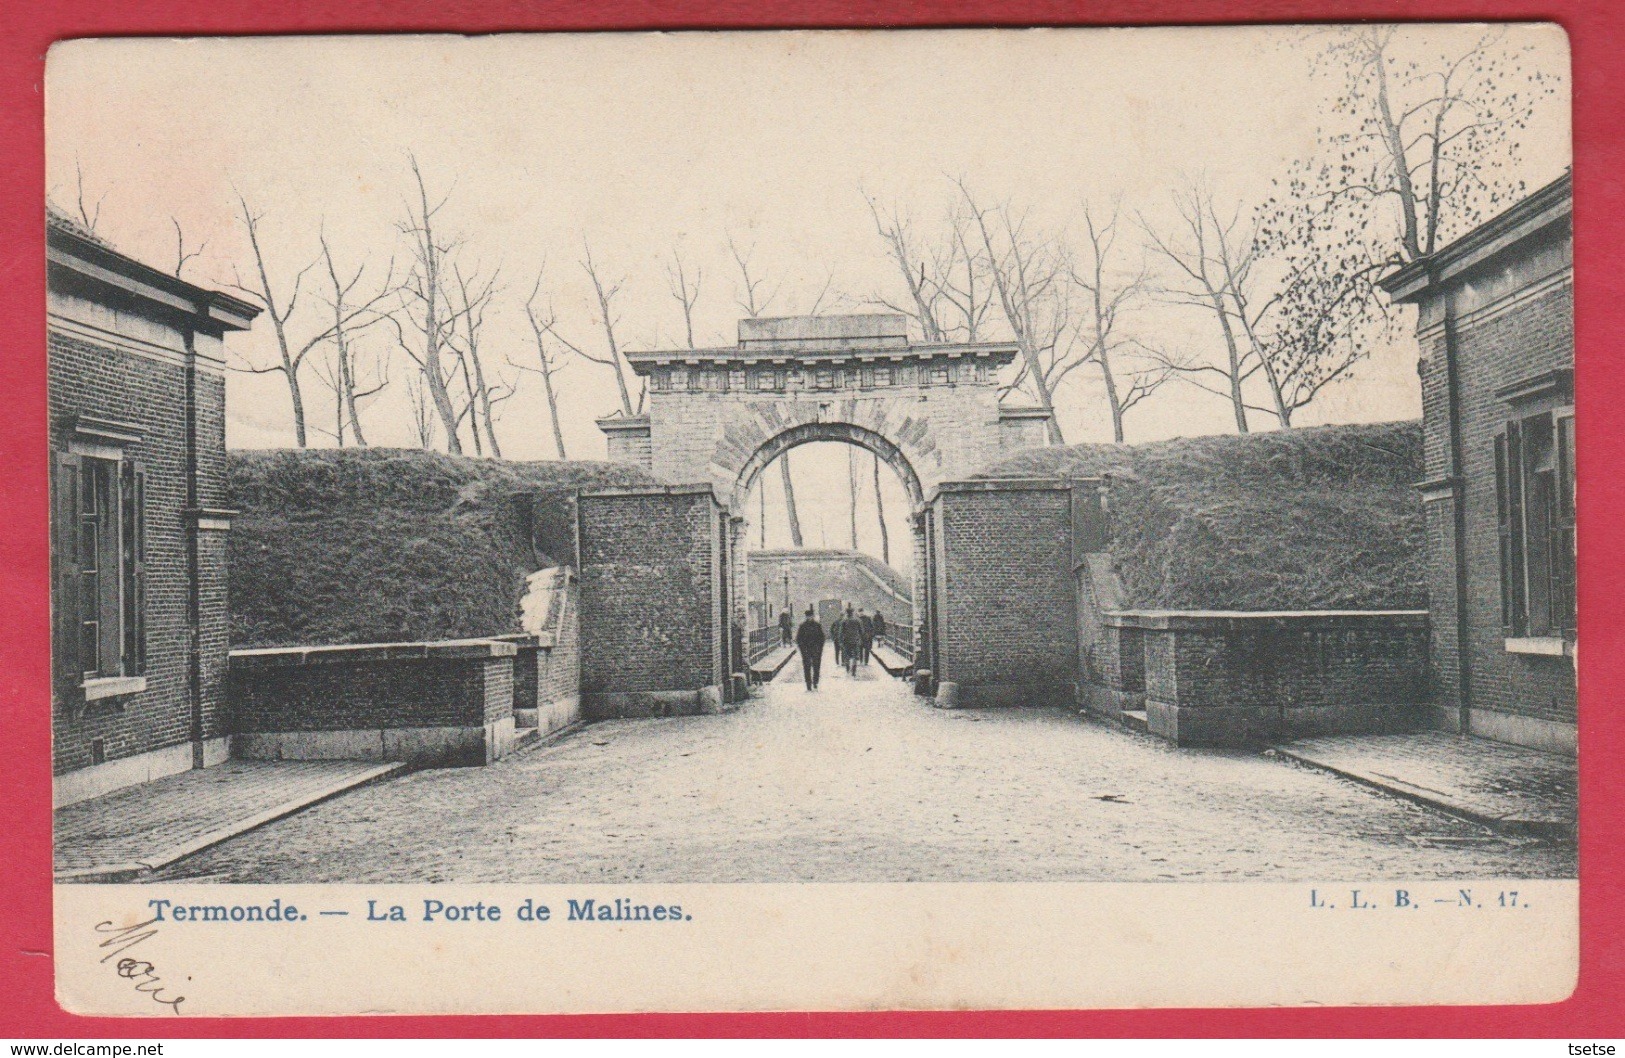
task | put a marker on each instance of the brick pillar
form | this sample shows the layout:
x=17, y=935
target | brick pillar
x=922, y=585
x=1439, y=512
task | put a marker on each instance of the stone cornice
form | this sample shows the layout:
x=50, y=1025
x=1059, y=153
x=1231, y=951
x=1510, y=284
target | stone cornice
x=765, y=354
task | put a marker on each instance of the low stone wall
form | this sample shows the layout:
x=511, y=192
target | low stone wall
x=428, y=704
x=1219, y=678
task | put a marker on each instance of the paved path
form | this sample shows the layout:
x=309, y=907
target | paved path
x=861, y=781
x=129, y=832
x=1510, y=788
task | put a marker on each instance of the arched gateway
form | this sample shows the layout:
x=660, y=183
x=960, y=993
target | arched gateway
x=715, y=419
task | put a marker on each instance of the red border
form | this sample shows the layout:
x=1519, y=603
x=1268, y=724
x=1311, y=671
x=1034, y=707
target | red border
x=27, y=1006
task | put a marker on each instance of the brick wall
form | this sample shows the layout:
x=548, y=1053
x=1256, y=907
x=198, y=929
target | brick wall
x=363, y=691
x=650, y=600
x=141, y=380
x=558, y=673
x=1007, y=621
x=1233, y=678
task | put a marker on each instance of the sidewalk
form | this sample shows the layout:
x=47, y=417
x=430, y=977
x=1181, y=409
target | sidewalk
x=131, y=832
x=1507, y=788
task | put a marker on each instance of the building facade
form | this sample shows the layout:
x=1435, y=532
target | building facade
x=136, y=398
x=1496, y=329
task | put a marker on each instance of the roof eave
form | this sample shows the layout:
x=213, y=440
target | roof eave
x=1550, y=205
x=105, y=265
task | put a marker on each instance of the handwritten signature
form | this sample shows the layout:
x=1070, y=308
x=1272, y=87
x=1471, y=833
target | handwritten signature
x=141, y=974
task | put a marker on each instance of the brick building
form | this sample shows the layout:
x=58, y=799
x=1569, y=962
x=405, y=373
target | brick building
x=136, y=398
x=1496, y=328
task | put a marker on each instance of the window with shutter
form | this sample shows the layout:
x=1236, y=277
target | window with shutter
x=1563, y=541
x=101, y=554
x=1503, y=527
x=1534, y=485
x=1514, y=571
x=66, y=612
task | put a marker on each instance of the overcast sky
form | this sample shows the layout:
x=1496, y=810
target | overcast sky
x=645, y=142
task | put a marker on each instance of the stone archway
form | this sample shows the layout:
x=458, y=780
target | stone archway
x=846, y=433
x=711, y=410
x=717, y=416
x=812, y=432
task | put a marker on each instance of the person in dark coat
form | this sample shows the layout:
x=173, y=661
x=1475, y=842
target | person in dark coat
x=879, y=622
x=835, y=639
x=867, y=624
x=851, y=641
x=810, y=641
x=786, y=626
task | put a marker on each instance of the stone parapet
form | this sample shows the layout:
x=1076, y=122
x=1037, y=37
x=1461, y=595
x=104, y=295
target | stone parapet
x=427, y=704
x=1220, y=677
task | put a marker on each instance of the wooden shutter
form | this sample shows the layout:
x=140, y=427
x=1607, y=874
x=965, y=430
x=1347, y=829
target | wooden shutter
x=133, y=564
x=1563, y=541
x=66, y=609
x=1503, y=527
x=1514, y=570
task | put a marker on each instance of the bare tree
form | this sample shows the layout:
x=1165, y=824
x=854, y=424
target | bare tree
x=949, y=291
x=852, y=491
x=964, y=282
x=608, y=318
x=548, y=363
x=291, y=360
x=752, y=303
x=1029, y=273
x=426, y=310
x=685, y=291
x=351, y=378
x=470, y=301
x=880, y=512
x=897, y=233
x=1429, y=130
x=1129, y=371
x=88, y=214
x=181, y=253
x=423, y=413
x=1209, y=259
x=790, y=513
x=348, y=321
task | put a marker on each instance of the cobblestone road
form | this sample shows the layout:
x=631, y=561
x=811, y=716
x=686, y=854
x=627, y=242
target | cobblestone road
x=861, y=781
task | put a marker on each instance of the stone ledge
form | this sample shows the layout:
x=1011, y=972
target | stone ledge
x=1219, y=726
x=529, y=640
x=642, y=705
x=1253, y=620
x=360, y=653
x=421, y=747
x=700, y=489
x=1002, y=485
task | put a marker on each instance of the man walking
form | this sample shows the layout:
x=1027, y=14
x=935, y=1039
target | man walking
x=868, y=627
x=836, y=638
x=851, y=641
x=786, y=626
x=880, y=626
x=810, y=641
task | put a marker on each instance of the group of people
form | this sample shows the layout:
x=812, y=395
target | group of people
x=853, y=634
